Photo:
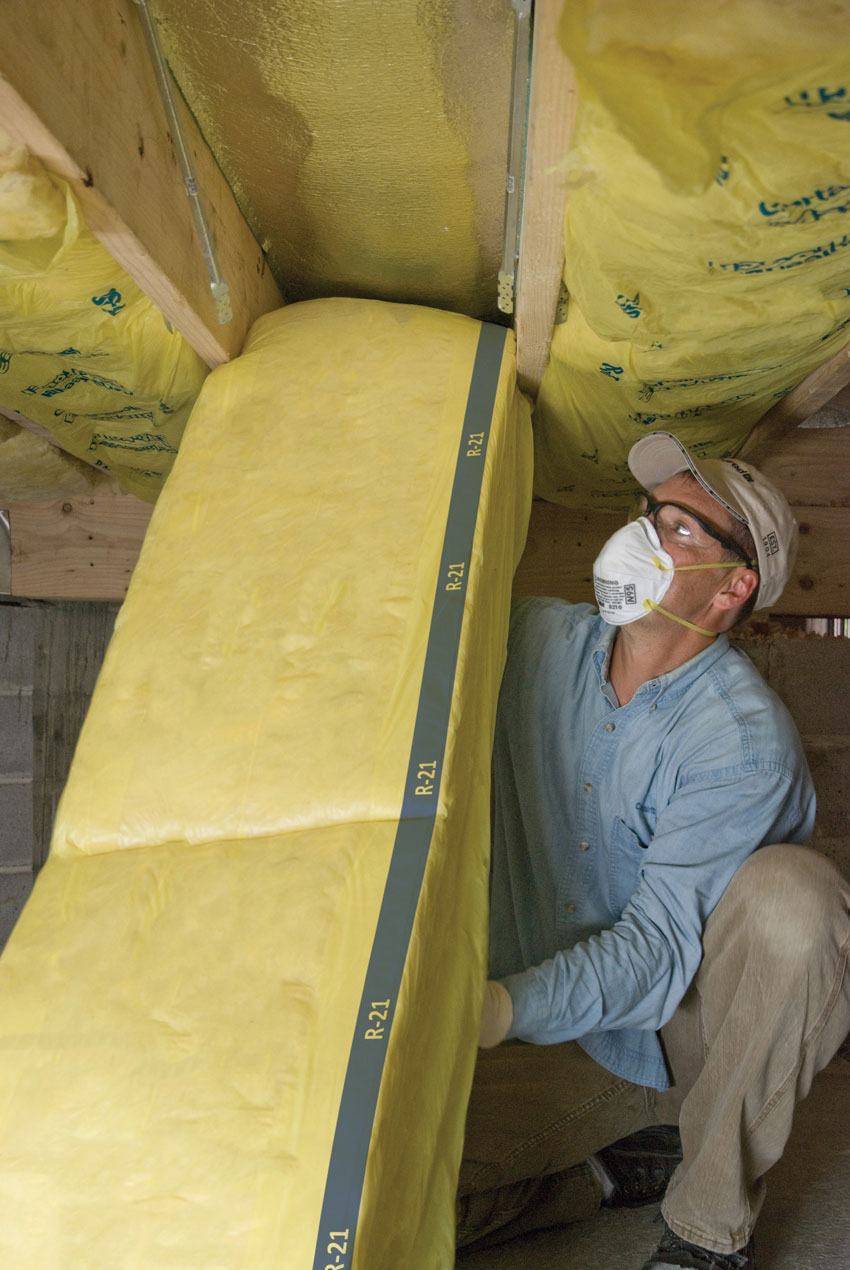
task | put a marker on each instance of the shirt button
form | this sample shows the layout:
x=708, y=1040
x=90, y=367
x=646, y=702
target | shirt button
x=609, y=727
x=584, y=846
x=587, y=787
x=571, y=908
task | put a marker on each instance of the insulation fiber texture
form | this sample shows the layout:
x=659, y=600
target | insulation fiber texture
x=34, y=470
x=181, y=992
x=707, y=237
x=366, y=144
x=83, y=352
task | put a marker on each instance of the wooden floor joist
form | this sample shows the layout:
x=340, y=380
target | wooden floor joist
x=552, y=109
x=816, y=391
x=87, y=548
x=77, y=88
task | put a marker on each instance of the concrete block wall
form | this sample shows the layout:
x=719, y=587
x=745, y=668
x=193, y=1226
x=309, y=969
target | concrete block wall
x=50, y=655
x=17, y=675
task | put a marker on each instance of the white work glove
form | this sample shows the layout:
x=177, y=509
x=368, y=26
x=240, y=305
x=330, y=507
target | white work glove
x=497, y=1015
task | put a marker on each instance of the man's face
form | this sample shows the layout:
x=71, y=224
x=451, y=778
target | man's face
x=688, y=544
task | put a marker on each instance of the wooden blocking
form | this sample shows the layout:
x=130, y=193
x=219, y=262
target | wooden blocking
x=813, y=471
x=76, y=549
x=78, y=90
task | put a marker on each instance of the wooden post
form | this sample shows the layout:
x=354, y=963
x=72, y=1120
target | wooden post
x=552, y=112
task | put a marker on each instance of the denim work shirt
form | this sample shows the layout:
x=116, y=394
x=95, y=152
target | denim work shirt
x=616, y=829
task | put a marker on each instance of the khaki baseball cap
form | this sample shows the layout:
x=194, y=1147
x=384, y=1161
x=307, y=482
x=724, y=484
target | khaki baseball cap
x=738, y=487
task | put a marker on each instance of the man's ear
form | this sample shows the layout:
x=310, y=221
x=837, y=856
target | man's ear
x=737, y=588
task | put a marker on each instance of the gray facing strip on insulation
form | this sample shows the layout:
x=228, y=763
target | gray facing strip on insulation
x=347, y=1166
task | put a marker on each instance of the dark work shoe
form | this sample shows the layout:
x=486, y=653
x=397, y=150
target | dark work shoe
x=641, y=1165
x=674, y=1253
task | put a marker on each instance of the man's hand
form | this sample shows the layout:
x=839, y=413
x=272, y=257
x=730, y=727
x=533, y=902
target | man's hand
x=496, y=1016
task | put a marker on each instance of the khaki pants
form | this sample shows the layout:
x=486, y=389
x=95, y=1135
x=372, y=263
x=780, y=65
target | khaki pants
x=767, y=1010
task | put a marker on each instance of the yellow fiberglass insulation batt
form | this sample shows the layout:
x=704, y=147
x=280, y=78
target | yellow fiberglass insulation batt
x=83, y=352
x=183, y=990
x=707, y=253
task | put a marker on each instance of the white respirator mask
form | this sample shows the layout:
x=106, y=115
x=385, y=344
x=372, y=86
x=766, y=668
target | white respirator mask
x=633, y=573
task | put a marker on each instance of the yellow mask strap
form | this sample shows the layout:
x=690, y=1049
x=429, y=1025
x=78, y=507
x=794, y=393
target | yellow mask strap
x=686, y=568
x=683, y=621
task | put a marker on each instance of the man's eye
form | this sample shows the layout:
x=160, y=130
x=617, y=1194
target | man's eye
x=682, y=529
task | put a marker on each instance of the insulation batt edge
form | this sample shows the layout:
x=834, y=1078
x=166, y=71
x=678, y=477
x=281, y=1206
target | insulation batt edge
x=179, y=994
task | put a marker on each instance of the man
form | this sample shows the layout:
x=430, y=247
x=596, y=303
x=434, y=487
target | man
x=659, y=969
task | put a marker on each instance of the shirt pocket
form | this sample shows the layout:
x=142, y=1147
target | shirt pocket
x=624, y=861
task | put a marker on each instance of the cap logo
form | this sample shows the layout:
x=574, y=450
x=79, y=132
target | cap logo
x=771, y=543
x=742, y=471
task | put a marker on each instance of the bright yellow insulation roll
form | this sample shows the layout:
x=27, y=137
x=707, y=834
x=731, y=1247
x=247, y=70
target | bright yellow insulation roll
x=707, y=245
x=264, y=751
x=83, y=351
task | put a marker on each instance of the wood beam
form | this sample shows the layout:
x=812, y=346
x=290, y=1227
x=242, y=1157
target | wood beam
x=812, y=470
x=552, y=110
x=78, y=90
x=87, y=548
x=841, y=401
x=800, y=404
x=76, y=548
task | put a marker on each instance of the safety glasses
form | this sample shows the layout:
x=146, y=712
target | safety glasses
x=675, y=523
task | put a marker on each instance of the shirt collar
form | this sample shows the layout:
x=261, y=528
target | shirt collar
x=669, y=686
x=602, y=647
